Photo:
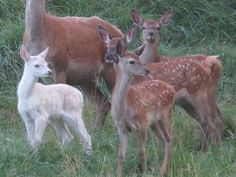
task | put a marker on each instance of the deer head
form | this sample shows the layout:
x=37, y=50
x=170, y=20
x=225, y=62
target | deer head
x=130, y=64
x=115, y=46
x=36, y=65
x=151, y=28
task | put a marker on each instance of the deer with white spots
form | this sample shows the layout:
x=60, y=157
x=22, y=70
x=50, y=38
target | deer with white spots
x=137, y=107
x=191, y=82
x=59, y=104
x=149, y=54
x=76, y=51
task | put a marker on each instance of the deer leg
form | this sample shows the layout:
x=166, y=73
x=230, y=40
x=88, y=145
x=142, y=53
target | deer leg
x=123, y=136
x=76, y=122
x=195, y=114
x=166, y=130
x=142, y=155
x=203, y=106
x=214, y=107
x=40, y=125
x=157, y=131
x=218, y=118
x=29, y=125
x=102, y=108
x=63, y=132
x=216, y=115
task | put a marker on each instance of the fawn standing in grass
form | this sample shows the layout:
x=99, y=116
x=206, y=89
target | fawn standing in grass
x=59, y=104
x=137, y=107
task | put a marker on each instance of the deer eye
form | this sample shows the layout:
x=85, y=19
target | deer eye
x=158, y=28
x=36, y=65
x=131, y=62
x=143, y=28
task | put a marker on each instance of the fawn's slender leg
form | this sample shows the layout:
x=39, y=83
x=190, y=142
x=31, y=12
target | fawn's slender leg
x=142, y=155
x=167, y=132
x=123, y=136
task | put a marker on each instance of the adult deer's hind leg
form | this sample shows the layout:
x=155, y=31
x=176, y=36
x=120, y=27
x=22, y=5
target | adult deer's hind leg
x=197, y=115
x=202, y=103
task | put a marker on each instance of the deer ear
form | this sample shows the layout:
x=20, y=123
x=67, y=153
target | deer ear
x=120, y=48
x=166, y=18
x=130, y=34
x=24, y=54
x=44, y=53
x=138, y=51
x=104, y=34
x=136, y=18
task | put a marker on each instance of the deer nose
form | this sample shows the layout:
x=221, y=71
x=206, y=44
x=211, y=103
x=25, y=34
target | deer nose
x=109, y=58
x=147, y=72
x=50, y=72
x=151, y=33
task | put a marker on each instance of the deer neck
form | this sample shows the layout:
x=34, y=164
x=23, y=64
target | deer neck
x=149, y=53
x=119, y=95
x=26, y=85
x=34, y=19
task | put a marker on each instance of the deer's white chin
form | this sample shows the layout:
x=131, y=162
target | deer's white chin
x=151, y=39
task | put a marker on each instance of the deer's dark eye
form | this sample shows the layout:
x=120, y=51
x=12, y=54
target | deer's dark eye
x=143, y=28
x=131, y=62
x=156, y=28
x=36, y=65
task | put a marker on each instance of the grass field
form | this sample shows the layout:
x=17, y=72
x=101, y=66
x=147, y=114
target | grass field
x=203, y=26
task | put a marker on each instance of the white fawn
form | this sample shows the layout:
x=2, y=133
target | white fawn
x=137, y=107
x=148, y=54
x=76, y=51
x=59, y=104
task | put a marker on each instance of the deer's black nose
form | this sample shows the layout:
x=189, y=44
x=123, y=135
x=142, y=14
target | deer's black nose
x=147, y=72
x=109, y=58
x=151, y=33
x=50, y=72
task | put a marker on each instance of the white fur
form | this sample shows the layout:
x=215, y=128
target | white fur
x=59, y=104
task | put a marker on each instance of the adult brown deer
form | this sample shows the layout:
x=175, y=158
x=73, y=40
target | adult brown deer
x=148, y=54
x=137, y=107
x=76, y=51
x=191, y=82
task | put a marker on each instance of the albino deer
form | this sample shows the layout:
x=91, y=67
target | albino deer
x=59, y=104
x=137, y=107
x=76, y=51
x=191, y=82
x=148, y=54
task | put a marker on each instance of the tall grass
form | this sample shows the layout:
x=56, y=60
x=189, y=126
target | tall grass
x=204, y=26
